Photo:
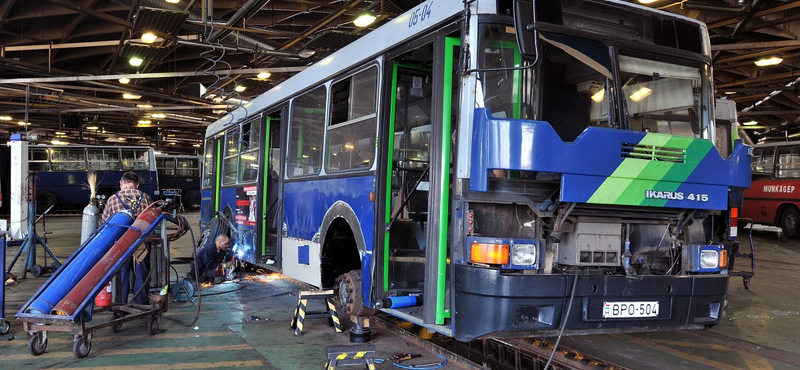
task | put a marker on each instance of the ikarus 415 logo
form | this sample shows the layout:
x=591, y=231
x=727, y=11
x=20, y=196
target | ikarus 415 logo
x=675, y=195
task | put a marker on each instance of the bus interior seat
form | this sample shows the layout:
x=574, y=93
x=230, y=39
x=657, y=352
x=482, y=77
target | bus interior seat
x=417, y=204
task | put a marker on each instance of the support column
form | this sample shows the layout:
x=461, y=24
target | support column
x=19, y=187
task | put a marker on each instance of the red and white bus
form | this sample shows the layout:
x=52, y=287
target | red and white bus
x=774, y=197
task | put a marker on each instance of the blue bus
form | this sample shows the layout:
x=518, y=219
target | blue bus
x=181, y=172
x=62, y=172
x=489, y=169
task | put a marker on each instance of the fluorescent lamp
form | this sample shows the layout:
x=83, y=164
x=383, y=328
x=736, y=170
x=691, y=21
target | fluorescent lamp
x=364, y=19
x=240, y=88
x=263, y=75
x=131, y=96
x=641, y=94
x=5, y=118
x=149, y=38
x=768, y=61
x=144, y=106
x=92, y=128
x=750, y=123
x=173, y=1
x=124, y=80
x=196, y=145
x=647, y=1
x=136, y=61
x=23, y=123
x=58, y=142
x=158, y=115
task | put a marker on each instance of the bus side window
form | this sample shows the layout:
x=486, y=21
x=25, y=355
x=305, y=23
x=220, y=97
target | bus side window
x=789, y=162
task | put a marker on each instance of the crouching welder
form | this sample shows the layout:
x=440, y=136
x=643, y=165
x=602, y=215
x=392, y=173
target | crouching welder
x=210, y=259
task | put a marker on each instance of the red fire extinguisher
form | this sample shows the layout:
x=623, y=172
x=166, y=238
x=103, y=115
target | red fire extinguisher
x=103, y=298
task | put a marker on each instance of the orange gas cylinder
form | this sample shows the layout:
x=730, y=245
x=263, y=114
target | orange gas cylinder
x=103, y=298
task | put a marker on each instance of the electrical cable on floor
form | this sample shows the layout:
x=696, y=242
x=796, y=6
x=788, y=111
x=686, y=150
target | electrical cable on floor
x=196, y=278
x=420, y=366
x=563, y=321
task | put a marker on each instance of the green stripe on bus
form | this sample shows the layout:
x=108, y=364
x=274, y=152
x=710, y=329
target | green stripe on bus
x=628, y=183
x=264, y=192
x=218, y=160
x=389, y=165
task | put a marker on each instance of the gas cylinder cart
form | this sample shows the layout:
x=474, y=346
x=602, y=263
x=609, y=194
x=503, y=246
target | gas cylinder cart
x=63, y=305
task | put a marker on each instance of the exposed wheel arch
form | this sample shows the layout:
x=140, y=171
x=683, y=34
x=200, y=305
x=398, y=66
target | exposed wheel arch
x=342, y=244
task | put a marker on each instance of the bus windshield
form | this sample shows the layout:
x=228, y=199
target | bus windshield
x=657, y=96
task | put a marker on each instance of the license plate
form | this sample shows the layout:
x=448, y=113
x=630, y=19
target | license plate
x=623, y=310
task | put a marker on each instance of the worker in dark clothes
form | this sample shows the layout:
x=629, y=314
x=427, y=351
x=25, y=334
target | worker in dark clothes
x=210, y=259
x=130, y=198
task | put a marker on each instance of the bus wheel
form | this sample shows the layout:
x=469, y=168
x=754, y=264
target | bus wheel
x=348, y=290
x=45, y=200
x=790, y=222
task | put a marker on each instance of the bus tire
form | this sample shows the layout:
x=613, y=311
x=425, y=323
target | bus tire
x=790, y=222
x=45, y=200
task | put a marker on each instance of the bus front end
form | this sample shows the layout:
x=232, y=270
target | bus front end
x=588, y=183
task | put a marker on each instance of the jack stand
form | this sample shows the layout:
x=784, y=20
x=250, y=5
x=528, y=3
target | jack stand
x=29, y=244
x=4, y=325
x=360, y=333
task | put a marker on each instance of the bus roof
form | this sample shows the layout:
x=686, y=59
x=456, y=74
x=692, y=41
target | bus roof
x=387, y=36
x=415, y=21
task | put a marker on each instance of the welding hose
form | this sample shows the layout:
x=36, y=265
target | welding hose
x=196, y=278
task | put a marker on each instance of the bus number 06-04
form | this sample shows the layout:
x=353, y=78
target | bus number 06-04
x=420, y=15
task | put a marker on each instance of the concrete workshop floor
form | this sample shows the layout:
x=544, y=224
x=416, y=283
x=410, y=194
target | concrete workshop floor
x=241, y=324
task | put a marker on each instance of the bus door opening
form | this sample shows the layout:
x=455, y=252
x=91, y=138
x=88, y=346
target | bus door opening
x=410, y=179
x=269, y=221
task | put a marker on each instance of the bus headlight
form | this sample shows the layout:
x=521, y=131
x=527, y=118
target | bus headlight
x=705, y=258
x=523, y=254
x=709, y=259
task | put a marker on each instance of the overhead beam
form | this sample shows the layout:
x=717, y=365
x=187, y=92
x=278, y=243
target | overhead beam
x=133, y=76
x=755, y=45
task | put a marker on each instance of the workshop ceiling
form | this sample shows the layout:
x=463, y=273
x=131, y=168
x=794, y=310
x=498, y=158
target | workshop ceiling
x=62, y=60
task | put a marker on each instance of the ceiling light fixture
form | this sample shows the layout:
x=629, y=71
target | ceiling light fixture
x=158, y=115
x=136, y=61
x=23, y=123
x=240, y=88
x=647, y=1
x=124, y=80
x=92, y=128
x=5, y=118
x=196, y=145
x=59, y=142
x=173, y=1
x=598, y=96
x=263, y=75
x=364, y=19
x=149, y=38
x=131, y=96
x=750, y=123
x=771, y=61
x=641, y=94
x=144, y=106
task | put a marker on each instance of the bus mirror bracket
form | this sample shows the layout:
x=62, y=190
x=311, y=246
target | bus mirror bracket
x=526, y=31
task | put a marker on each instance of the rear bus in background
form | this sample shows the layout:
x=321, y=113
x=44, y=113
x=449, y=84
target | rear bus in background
x=181, y=172
x=62, y=172
x=774, y=197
